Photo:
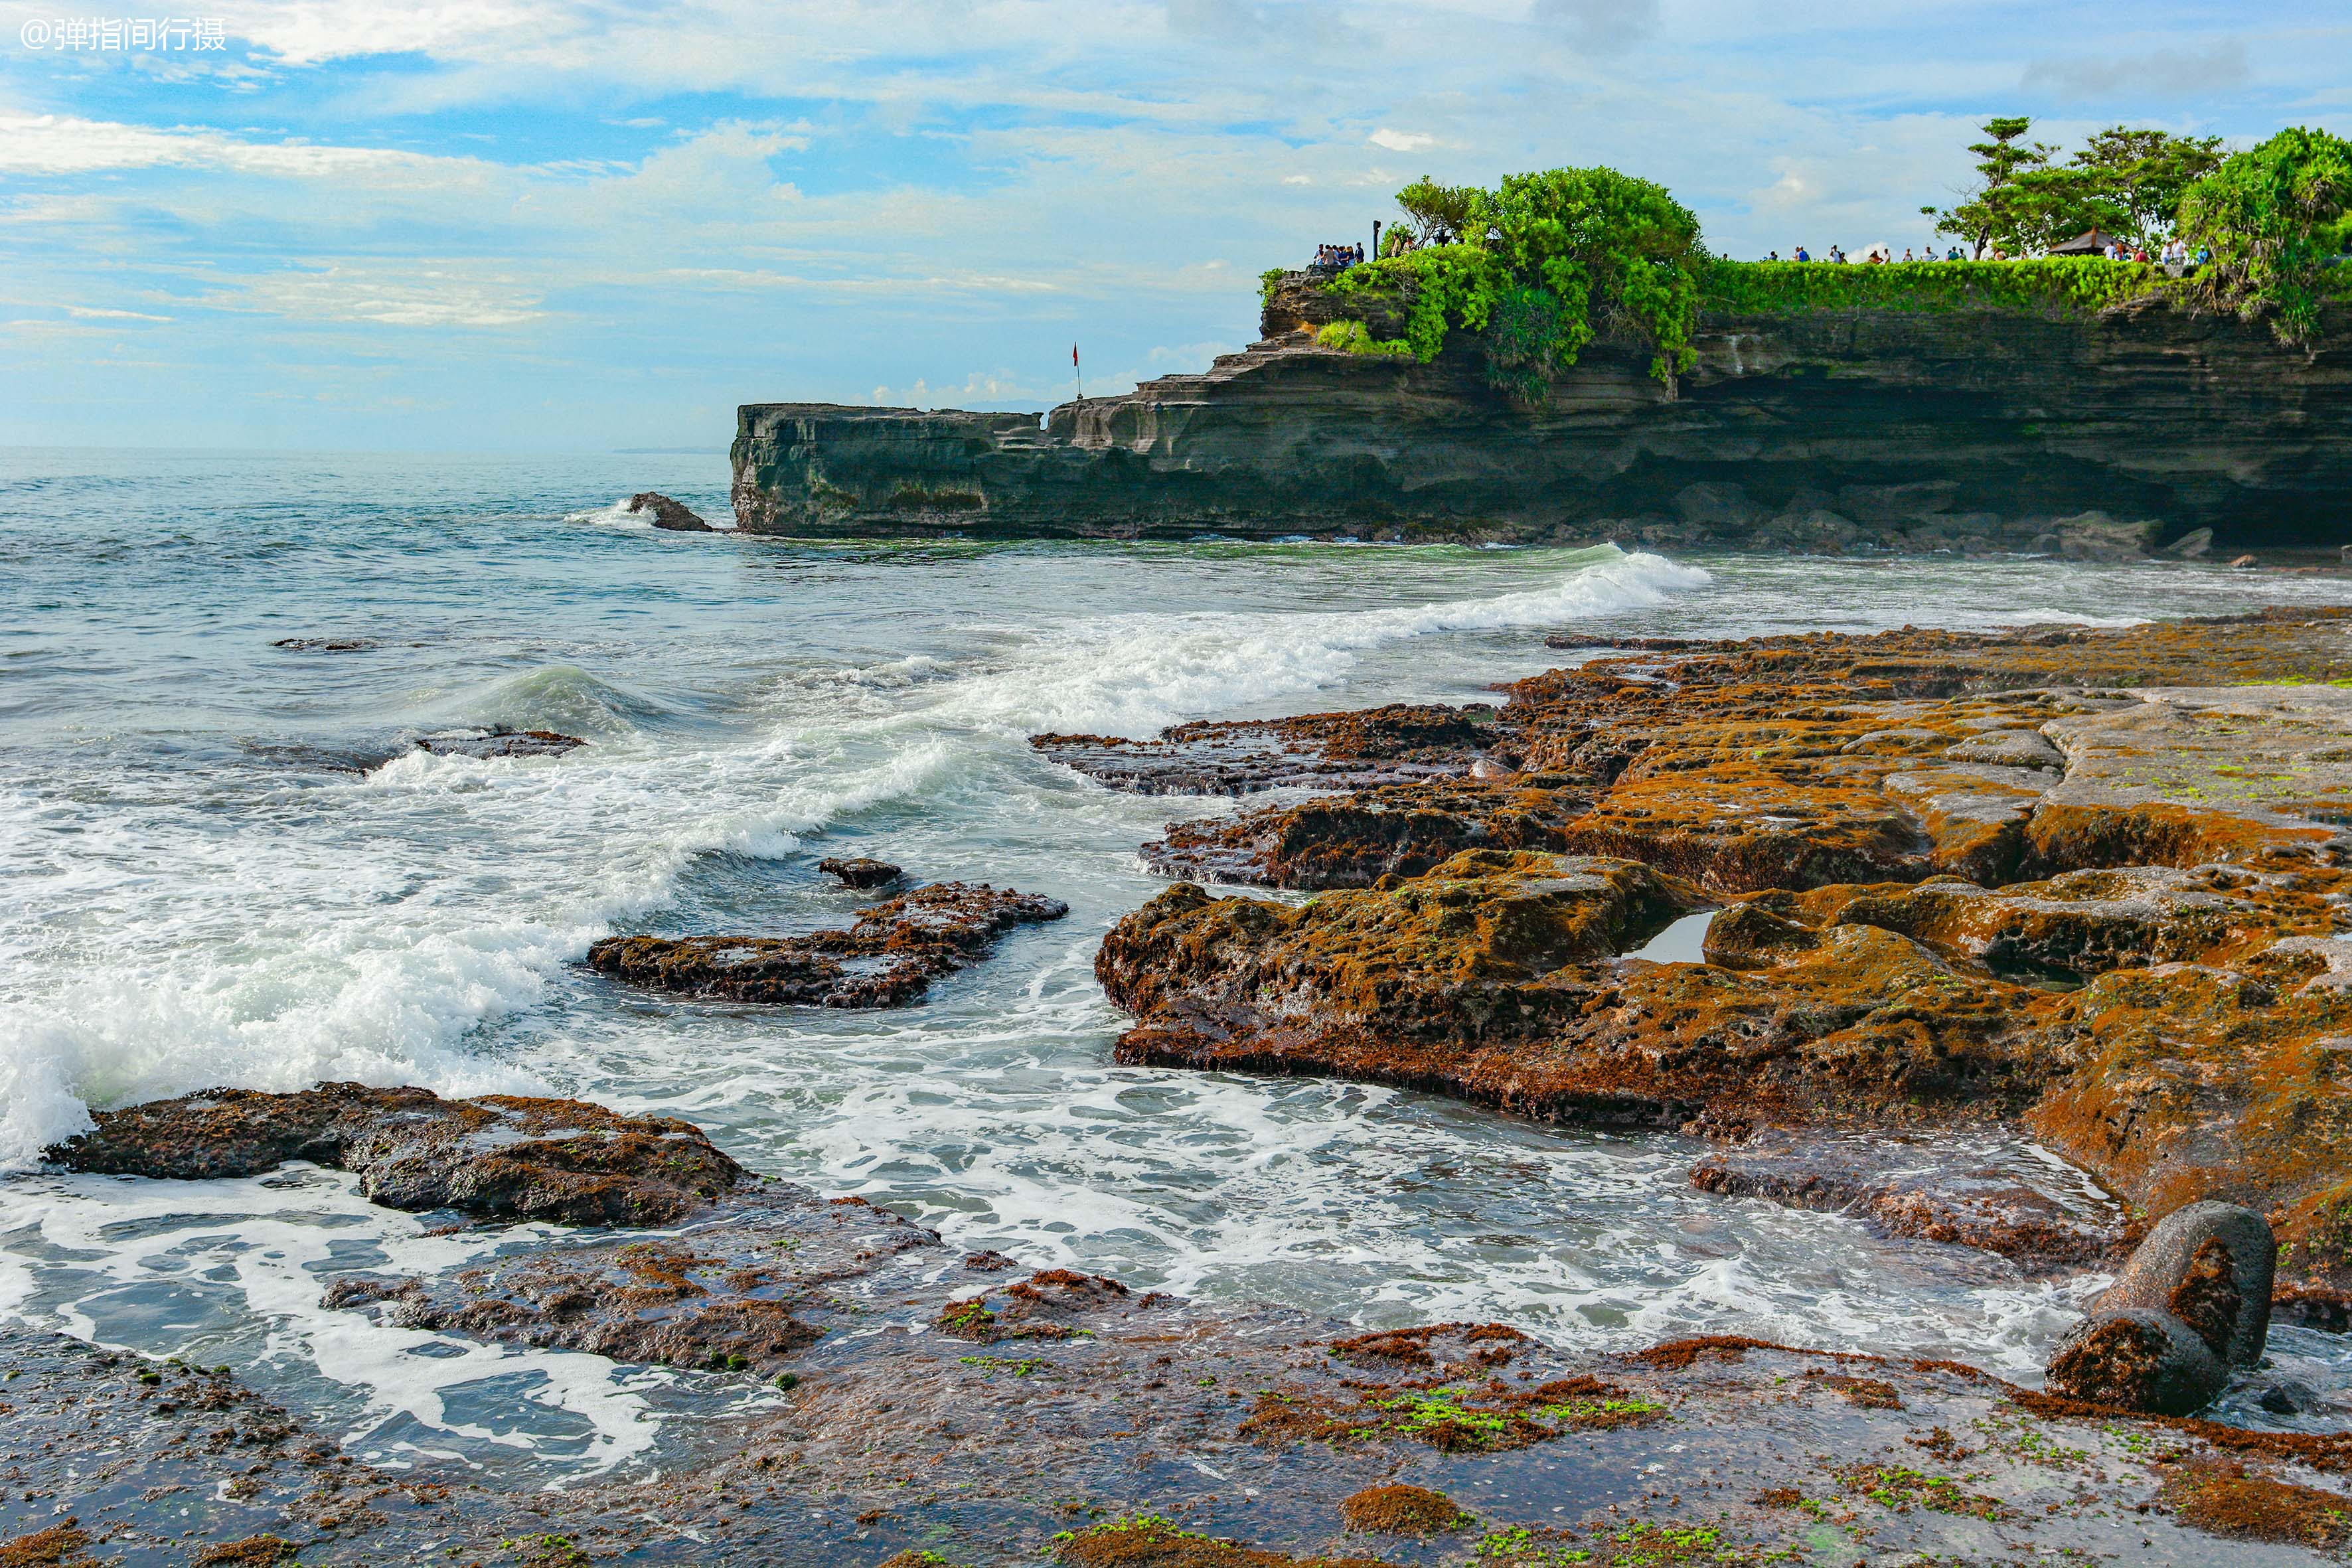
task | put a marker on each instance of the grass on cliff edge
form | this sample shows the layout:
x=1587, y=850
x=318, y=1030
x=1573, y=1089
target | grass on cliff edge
x=2067, y=285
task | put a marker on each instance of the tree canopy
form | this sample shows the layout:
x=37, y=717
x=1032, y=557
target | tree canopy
x=2126, y=180
x=2274, y=217
x=1541, y=263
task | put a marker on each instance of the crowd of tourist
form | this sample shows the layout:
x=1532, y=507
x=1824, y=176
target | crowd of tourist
x=1337, y=257
x=2174, y=254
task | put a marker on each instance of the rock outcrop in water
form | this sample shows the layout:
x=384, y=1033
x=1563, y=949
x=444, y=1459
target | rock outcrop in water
x=889, y=959
x=2090, y=884
x=2095, y=437
x=501, y=1155
x=673, y=515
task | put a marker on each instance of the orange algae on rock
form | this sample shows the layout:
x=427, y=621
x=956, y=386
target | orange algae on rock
x=2090, y=882
x=1402, y=1510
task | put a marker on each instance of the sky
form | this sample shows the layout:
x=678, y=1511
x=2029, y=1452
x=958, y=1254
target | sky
x=597, y=225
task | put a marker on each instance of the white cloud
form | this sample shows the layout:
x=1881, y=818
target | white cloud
x=1400, y=141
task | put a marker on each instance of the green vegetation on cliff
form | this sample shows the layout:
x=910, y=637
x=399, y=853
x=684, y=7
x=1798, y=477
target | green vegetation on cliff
x=2277, y=219
x=1538, y=267
x=1540, y=264
x=2058, y=285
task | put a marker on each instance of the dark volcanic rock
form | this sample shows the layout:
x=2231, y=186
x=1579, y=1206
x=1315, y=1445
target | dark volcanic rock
x=2208, y=1264
x=503, y=1155
x=675, y=515
x=498, y=741
x=887, y=959
x=325, y=645
x=1820, y=430
x=1323, y=750
x=859, y=873
x=2137, y=1358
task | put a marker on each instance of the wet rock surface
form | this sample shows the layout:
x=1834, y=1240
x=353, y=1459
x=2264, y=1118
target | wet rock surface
x=1110, y=1425
x=673, y=515
x=2136, y=1358
x=859, y=872
x=501, y=1155
x=2087, y=883
x=2210, y=1266
x=1922, y=1187
x=1327, y=750
x=887, y=959
x=498, y=741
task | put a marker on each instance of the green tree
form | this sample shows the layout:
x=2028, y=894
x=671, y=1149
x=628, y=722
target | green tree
x=1443, y=215
x=2274, y=217
x=2143, y=174
x=1540, y=266
x=2002, y=211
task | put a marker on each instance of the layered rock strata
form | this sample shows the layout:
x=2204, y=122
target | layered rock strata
x=1978, y=431
x=2088, y=884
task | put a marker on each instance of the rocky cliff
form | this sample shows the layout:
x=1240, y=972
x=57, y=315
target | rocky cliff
x=1986, y=429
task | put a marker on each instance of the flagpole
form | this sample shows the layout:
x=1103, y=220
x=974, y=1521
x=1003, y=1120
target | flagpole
x=1080, y=374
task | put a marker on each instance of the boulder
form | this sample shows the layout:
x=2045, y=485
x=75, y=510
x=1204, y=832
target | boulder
x=2208, y=1264
x=2138, y=1358
x=2096, y=536
x=2245, y=564
x=675, y=516
x=2192, y=545
x=859, y=872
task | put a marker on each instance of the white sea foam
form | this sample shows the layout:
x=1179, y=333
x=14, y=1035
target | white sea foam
x=243, y=1261
x=1131, y=674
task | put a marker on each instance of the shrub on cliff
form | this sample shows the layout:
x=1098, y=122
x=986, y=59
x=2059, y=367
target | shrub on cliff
x=1538, y=267
x=2274, y=218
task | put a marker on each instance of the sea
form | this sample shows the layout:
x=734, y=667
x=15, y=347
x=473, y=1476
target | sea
x=213, y=877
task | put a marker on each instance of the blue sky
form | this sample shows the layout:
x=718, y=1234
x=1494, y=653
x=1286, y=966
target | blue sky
x=580, y=224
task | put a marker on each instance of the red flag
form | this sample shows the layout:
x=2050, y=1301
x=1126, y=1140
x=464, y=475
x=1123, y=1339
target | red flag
x=1073, y=356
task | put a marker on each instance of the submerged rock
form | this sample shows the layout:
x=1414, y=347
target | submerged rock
x=498, y=741
x=675, y=515
x=502, y=1155
x=889, y=959
x=859, y=873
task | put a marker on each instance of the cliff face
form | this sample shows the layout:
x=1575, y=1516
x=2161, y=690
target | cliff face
x=1917, y=430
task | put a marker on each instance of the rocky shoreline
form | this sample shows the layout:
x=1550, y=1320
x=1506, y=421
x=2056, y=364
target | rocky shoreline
x=2090, y=887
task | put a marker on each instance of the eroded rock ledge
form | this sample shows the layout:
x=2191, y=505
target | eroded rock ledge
x=2089, y=884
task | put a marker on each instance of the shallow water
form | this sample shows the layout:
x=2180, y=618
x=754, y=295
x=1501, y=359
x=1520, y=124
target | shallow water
x=202, y=892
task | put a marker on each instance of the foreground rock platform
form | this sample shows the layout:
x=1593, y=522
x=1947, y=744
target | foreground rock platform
x=2088, y=884
x=985, y=1412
